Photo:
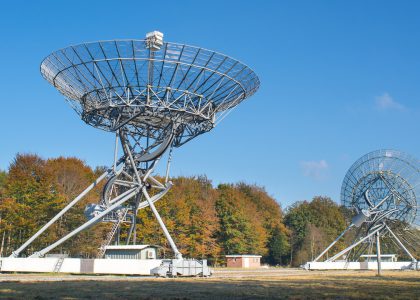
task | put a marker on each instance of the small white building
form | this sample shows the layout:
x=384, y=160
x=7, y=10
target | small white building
x=131, y=252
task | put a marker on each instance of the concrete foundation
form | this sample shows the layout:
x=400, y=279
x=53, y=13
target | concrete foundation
x=342, y=265
x=78, y=265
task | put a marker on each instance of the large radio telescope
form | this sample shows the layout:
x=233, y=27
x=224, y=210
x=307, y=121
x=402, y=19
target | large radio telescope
x=381, y=190
x=154, y=96
x=388, y=180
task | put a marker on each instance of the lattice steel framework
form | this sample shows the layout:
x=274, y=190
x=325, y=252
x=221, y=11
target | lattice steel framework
x=119, y=83
x=381, y=190
x=155, y=96
x=381, y=174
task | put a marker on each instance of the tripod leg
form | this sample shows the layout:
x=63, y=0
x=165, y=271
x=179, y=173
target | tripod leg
x=378, y=253
x=122, y=198
x=355, y=244
x=400, y=243
x=178, y=254
x=62, y=212
x=333, y=243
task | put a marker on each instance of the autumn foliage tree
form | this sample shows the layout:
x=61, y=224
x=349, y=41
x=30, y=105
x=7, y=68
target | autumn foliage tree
x=33, y=192
x=189, y=214
x=205, y=222
x=314, y=226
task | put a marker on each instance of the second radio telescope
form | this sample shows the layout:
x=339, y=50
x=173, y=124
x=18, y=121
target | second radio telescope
x=387, y=180
x=381, y=191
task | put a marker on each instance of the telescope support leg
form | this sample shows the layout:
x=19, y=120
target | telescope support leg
x=122, y=198
x=355, y=244
x=378, y=253
x=178, y=254
x=333, y=243
x=401, y=244
x=57, y=216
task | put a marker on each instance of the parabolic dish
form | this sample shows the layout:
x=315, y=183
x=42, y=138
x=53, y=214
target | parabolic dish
x=123, y=83
x=387, y=179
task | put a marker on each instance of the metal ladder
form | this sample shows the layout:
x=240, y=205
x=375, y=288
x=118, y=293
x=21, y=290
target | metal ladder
x=58, y=265
x=112, y=232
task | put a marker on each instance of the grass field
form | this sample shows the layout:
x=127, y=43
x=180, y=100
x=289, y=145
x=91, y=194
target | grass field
x=225, y=284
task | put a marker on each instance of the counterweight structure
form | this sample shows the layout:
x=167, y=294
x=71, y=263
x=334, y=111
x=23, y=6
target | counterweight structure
x=380, y=190
x=154, y=96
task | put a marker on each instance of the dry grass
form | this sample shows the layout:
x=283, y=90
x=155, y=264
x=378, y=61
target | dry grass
x=226, y=284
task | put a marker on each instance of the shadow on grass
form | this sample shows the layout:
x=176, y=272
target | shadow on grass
x=317, y=287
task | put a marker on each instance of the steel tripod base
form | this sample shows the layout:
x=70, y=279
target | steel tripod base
x=130, y=187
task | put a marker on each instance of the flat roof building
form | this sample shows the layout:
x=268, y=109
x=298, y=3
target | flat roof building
x=131, y=252
x=243, y=261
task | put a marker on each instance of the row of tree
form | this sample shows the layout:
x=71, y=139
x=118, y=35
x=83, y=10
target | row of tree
x=205, y=221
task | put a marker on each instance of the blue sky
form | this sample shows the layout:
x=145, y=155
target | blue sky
x=338, y=79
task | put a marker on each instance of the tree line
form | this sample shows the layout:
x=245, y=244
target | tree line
x=205, y=221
